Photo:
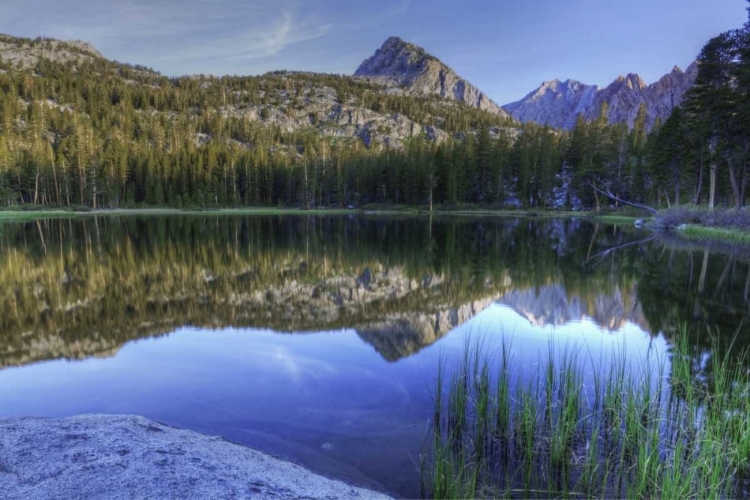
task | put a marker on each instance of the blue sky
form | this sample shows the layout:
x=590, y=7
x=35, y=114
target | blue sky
x=505, y=47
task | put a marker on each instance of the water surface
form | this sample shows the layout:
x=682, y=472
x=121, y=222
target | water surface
x=318, y=338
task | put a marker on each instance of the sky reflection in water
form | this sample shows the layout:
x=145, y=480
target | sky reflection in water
x=327, y=400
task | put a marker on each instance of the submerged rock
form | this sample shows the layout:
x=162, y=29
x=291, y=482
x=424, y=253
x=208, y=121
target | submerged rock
x=124, y=457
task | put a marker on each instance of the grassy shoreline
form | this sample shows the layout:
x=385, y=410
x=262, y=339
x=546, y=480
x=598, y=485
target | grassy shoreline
x=26, y=215
x=581, y=430
x=690, y=224
x=699, y=224
x=709, y=233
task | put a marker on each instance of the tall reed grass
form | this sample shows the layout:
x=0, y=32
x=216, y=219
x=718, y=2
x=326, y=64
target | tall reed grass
x=581, y=428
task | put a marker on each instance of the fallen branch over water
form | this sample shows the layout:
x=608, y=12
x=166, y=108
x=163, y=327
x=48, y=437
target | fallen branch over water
x=608, y=193
x=604, y=253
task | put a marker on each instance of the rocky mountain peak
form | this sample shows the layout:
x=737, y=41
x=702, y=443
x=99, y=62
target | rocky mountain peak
x=634, y=81
x=286, y=100
x=559, y=105
x=631, y=81
x=555, y=103
x=395, y=43
x=395, y=58
x=412, y=68
x=548, y=86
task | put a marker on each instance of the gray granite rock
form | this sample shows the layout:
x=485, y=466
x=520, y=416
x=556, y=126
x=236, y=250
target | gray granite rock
x=131, y=457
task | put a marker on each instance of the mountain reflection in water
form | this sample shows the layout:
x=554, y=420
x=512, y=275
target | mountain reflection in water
x=79, y=288
x=310, y=336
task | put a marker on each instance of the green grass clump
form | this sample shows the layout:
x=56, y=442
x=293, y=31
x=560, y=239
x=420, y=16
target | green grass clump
x=574, y=429
x=617, y=219
x=730, y=235
x=19, y=216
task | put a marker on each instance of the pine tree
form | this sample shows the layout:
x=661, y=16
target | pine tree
x=709, y=102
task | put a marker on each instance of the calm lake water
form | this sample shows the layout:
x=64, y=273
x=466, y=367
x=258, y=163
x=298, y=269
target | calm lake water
x=317, y=338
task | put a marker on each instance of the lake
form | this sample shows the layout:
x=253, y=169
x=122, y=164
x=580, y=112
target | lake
x=319, y=338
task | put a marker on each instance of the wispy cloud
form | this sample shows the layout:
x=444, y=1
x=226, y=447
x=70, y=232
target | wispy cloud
x=254, y=42
x=402, y=8
x=216, y=36
x=224, y=32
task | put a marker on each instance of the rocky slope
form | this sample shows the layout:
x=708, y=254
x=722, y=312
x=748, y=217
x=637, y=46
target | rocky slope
x=412, y=68
x=25, y=53
x=322, y=107
x=558, y=104
x=377, y=112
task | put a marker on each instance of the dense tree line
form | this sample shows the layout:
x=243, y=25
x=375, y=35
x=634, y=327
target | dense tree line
x=104, y=134
x=701, y=152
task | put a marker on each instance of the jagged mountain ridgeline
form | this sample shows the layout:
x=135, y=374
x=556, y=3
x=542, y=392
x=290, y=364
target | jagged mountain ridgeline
x=559, y=103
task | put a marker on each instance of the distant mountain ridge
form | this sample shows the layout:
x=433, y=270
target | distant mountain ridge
x=379, y=112
x=25, y=53
x=418, y=72
x=558, y=103
x=404, y=69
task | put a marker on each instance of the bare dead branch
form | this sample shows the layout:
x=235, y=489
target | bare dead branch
x=606, y=192
x=601, y=255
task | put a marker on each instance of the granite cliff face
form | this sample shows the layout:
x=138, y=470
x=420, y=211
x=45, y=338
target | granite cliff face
x=333, y=118
x=406, y=65
x=558, y=104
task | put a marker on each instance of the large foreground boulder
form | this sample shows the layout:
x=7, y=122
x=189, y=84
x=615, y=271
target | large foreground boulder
x=127, y=457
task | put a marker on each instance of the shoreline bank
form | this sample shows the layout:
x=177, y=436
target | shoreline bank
x=689, y=231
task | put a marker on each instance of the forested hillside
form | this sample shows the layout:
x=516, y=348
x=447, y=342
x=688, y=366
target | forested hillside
x=77, y=129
